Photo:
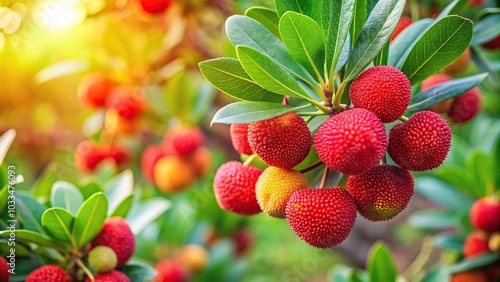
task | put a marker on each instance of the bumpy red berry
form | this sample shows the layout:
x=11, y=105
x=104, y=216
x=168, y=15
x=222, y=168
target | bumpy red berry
x=4, y=270
x=466, y=106
x=421, y=143
x=283, y=141
x=182, y=140
x=321, y=217
x=171, y=271
x=404, y=22
x=94, y=90
x=48, y=273
x=112, y=276
x=434, y=80
x=485, y=214
x=239, y=138
x=382, y=192
x=352, y=141
x=117, y=235
x=475, y=244
x=234, y=187
x=384, y=90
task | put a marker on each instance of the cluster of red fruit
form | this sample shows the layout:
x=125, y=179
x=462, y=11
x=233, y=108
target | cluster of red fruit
x=155, y=6
x=188, y=260
x=179, y=160
x=351, y=141
x=485, y=217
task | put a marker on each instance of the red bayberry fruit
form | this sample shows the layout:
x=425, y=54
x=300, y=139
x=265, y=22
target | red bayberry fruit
x=475, y=245
x=469, y=276
x=404, y=22
x=466, y=106
x=485, y=214
x=234, y=187
x=112, y=276
x=4, y=270
x=239, y=138
x=182, y=140
x=351, y=142
x=321, y=217
x=421, y=143
x=283, y=141
x=171, y=271
x=48, y=273
x=243, y=240
x=155, y=6
x=125, y=103
x=493, y=44
x=149, y=157
x=382, y=192
x=94, y=90
x=383, y=90
x=117, y=235
x=88, y=155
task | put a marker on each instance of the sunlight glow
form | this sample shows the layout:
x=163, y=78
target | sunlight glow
x=61, y=14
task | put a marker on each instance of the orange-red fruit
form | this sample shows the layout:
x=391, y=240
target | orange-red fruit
x=201, y=161
x=321, y=217
x=48, y=273
x=384, y=90
x=421, y=143
x=275, y=186
x=194, y=257
x=149, y=157
x=466, y=106
x=4, y=270
x=114, y=124
x=112, y=276
x=234, y=187
x=352, y=141
x=382, y=192
x=119, y=154
x=94, y=90
x=126, y=103
x=88, y=155
x=172, y=174
x=433, y=80
x=155, y=6
x=476, y=3
x=493, y=44
x=182, y=140
x=239, y=138
x=117, y=235
x=485, y=214
x=171, y=271
x=469, y=276
x=404, y=22
x=283, y=141
x=475, y=244
x=460, y=64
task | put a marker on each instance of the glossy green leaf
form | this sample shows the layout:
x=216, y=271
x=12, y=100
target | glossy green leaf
x=443, y=91
x=336, y=16
x=311, y=8
x=138, y=272
x=268, y=74
x=404, y=42
x=359, y=19
x=5, y=141
x=89, y=219
x=344, y=55
x=147, y=212
x=376, y=33
x=4, y=195
x=457, y=177
x=227, y=75
x=59, y=222
x=383, y=57
x=433, y=219
x=480, y=173
x=124, y=207
x=118, y=189
x=65, y=195
x=246, y=112
x=438, y=47
x=44, y=183
x=381, y=265
x=246, y=31
x=29, y=212
x=449, y=242
x=439, y=274
x=486, y=29
x=268, y=18
x=28, y=236
x=300, y=35
x=443, y=194
x=476, y=262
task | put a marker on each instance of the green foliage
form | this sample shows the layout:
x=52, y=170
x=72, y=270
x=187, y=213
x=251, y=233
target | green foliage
x=59, y=222
x=381, y=265
x=89, y=219
x=65, y=195
x=245, y=112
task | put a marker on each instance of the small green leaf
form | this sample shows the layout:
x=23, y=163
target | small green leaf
x=227, y=75
x=443, y=194
x=486, y=29
x=124, y=207
x=268, y=74
x=476, y=262
x=59, y=222
x=377, y=31
x=358, y=21
x=138, y=272
x=5, y=141
x=443, y=91
x=311, y=8
x=433, y=219
x=43, y=184
x=381, y=265
x=29, y=212
x=438, y=47
x=449, y=242
x=4, y=195
x=404, y=42
x=480, y=172
x=147, y=212
x=268, y=18
x=246, y=112
x=300, y=35
x=89, y=219
x=28, y=236
x=65, y=195
x=439, y=274
x=118, y=189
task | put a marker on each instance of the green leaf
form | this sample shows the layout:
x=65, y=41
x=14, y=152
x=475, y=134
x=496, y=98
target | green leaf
x=227, y=75
x=300, y=35
x=28, y=236
x=124, y=207
x=376, y=33
x=119, y=188
x=344, y=55
x=438, y=47
x=404, y=42
x=246, y=31
x=138, y=272
x=382, y=58
x=444, y=91
x=486, y=29
x=65, y=195
x=4, y=196
x=457, y=177
x=246, y=112
x=481, y=174
x=43, y=184
x=336, y=15
x=58, y=222
x=484, y=65
x=381, y=265
x=5, y=141
x=476, y=262
x=439, y=274
x=358, y=21
x=447, y=10
x=29, y=213
x=449, y=242
x=340, y=274
x=309, y=8
x=147, y=212
x=443, y=194
x=89, y=219
x=433, y=219
x=268, y=18
x=268, y=74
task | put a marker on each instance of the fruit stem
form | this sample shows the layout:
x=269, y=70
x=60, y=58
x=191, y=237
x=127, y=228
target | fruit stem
x=308, y=120
x=338, y=95
x=325, y=177
x=383, y=160
x=403, y=119
x=316, y=165
x=250, y=160
x=318, y=113
x=320, y=106
x=87, y=271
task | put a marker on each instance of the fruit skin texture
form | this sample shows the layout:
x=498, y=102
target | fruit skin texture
x=239, y=138
x=384, y=90
x=433, y=80
x=460, y=64
x=102, y=259
x=283, y=141
x=172, y=174
x=275, y=186
x=421, y=143
x=469, y=276
x=352, y=141
x=485, y=214
x=112, y=276
x=382, y=192
x=182, y=140
x=321, y=217
x=48, y=273
x=493, y=44
x=4, y=270
x=475, y=244
x=94, y=90
x=155, y=6
x=466, y=106
x=404, y=22
x=194, y=257
x=149, y=158
x=117, y=235
x=171, y=271
x=234, y=187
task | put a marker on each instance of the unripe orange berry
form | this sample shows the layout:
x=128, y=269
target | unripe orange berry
x=172, y=174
